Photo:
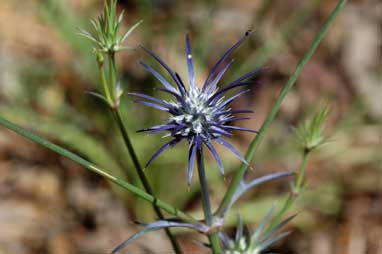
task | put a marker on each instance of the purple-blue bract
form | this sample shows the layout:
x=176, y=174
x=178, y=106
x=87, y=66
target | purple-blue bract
x=198, y=115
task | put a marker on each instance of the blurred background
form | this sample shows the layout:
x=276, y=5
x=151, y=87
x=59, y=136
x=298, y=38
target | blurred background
x=48, y=204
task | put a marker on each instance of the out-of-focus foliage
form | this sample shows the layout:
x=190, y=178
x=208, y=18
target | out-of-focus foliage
x=45, y=68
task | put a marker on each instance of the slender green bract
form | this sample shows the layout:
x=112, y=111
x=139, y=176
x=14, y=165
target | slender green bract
x=88, y=165
x=264, y=128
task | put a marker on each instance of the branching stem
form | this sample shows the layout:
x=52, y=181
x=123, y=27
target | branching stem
x=295, y=190
x=272, y=114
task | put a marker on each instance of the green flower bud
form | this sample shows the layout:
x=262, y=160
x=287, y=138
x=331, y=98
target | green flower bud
x=310, y=134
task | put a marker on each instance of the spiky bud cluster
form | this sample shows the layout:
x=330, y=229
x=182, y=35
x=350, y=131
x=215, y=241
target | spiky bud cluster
x=107, y=38
x=310, y=134
x=257, y=242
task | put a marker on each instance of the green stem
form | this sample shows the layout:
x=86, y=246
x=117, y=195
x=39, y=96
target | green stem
x=214, y=239
x=105, y=88
x=143, y=177
x=298, y=184
x=294, y=192
x=264, y=128
x=215, y=243
x=90, y=166
x=130, y=149
x=113, y=74
x=204, y=189
x=285, y=207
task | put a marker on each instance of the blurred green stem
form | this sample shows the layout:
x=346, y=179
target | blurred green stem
x=143, y=177
x=90, y=166
x=288, y=86
x=296, y=187
x=113, y=77
x=105, y=88
x=299, y=181
x=214, y=238
x=113, y=74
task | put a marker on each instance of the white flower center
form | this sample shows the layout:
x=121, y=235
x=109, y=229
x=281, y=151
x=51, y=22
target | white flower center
x=195, y=114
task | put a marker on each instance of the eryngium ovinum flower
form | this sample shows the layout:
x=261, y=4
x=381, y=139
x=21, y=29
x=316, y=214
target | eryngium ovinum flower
x=256, y=242
x=198, y=115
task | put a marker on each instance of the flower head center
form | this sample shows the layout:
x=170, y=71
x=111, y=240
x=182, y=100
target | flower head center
x=195, y=114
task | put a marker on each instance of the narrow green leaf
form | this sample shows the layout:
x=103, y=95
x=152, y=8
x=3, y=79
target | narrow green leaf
x=272, y=114
x=130, y=30
x=90, y=166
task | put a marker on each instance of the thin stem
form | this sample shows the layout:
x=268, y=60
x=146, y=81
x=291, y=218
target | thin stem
x=204, y=188
x=215, y=243
x=130, y=148
x=264, y=128
x=142, y=176
x=294, y=192
x=112, y=76
x=299, y=181
x=90, y=166
x=214, y=239
x=105, y=88
x=285, y=207
x=113, y=73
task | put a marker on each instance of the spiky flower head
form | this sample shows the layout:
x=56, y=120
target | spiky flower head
x=107, y=38
x=310, y=134
x=257, y=242
x=198, y=115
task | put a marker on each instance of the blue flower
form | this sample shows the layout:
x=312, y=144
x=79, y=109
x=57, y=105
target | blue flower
x=198, y=115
